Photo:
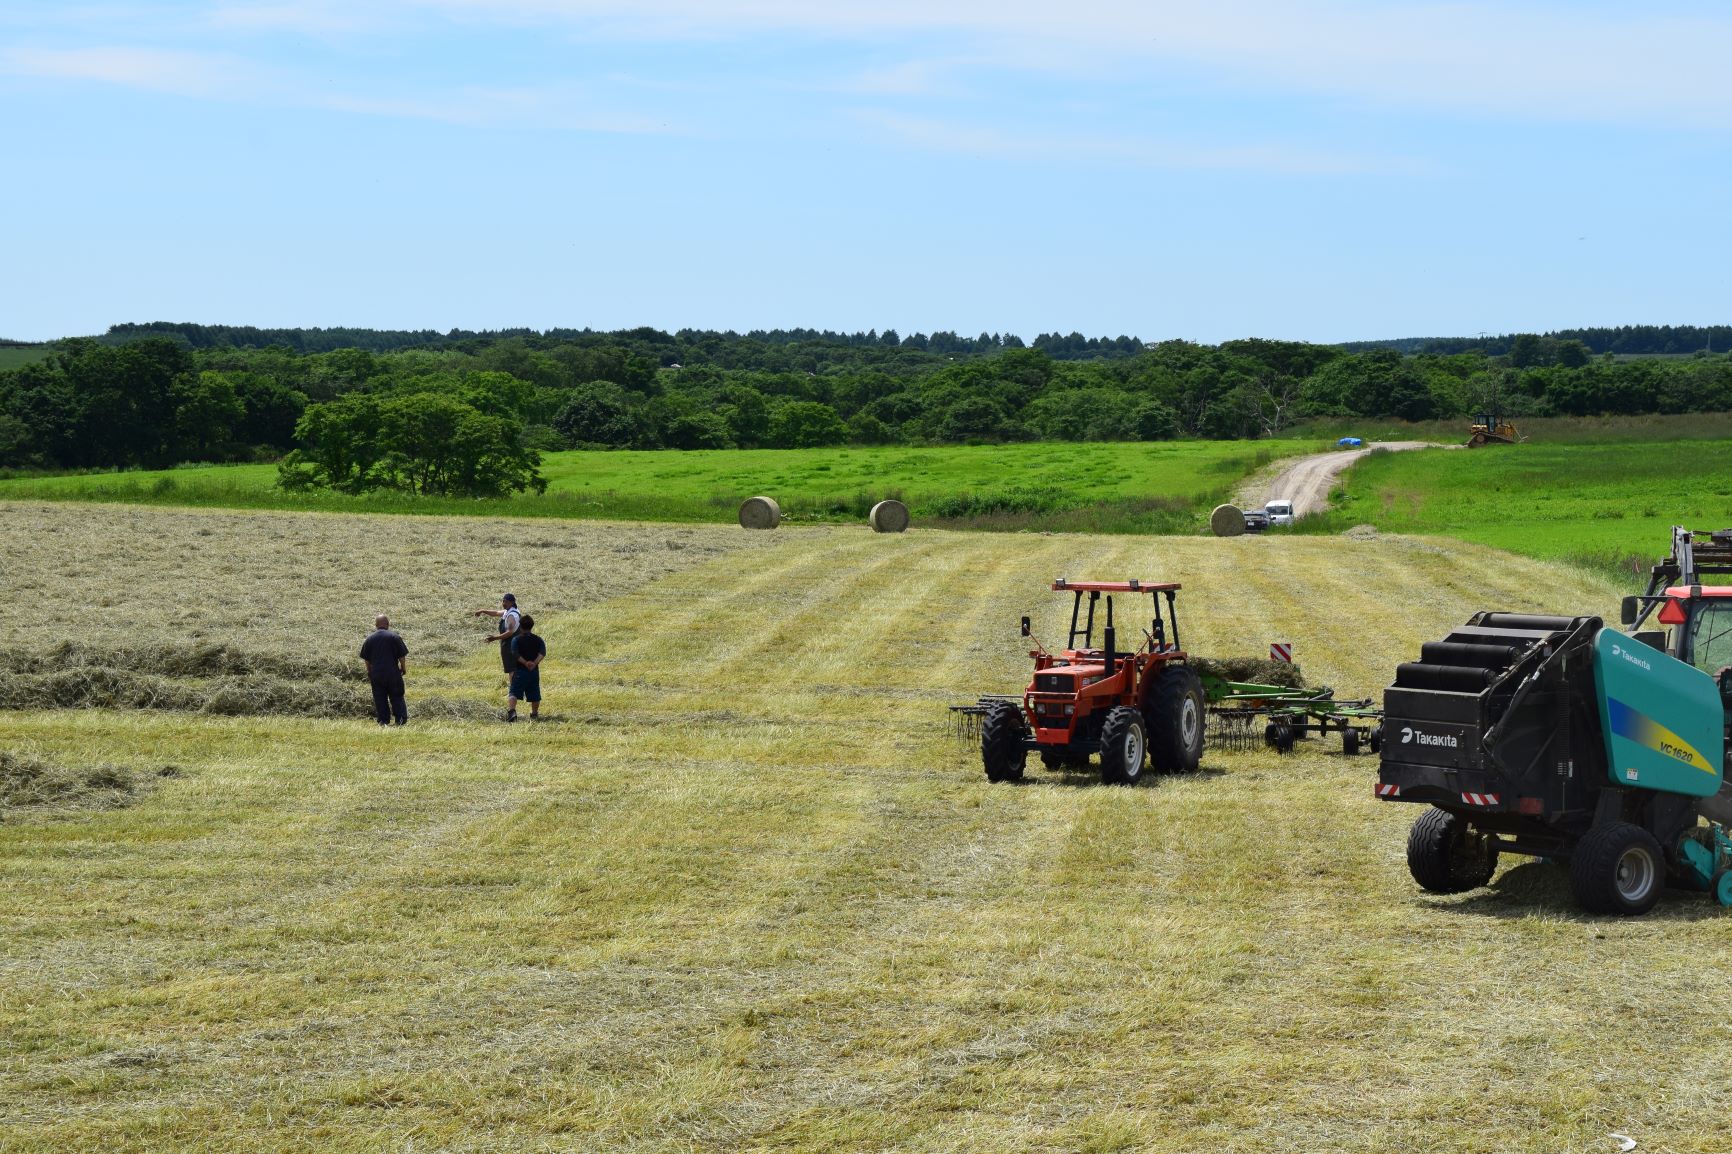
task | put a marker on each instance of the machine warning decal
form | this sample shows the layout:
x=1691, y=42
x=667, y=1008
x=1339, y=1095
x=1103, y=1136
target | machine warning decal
x=1638, y=727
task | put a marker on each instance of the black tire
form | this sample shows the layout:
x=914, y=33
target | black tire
x=1002, y=735
x=1446, y=856
x=1175, y=722
x=1278, y=735
x=1350, y=742
x=1124, y=746
x=1617, y=869
x=1377, y=737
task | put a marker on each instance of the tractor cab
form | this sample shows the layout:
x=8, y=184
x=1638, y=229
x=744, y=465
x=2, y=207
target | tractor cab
x=1697, y=616
x=1087, y=614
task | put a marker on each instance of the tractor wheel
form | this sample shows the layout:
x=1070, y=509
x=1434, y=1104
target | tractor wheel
x=1377, y=737
x=1446, y=856
x=1350, y=742
x=1001, y=742
x=1617, y=869
x=1124, y=745
x=1175, y=722
x=1278, y=735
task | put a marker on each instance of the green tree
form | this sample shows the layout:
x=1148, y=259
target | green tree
x=806, y=425
x=207, y=412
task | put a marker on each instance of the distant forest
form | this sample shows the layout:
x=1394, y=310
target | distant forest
x=464, y=412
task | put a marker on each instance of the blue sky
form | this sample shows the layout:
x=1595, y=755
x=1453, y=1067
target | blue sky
x=1313, y=170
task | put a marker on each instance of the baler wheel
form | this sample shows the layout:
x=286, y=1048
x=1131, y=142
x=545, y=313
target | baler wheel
x=1445, y=856
x=1617, y=869
x=1124, y=746
x=1175, y=722
x=1002, y=734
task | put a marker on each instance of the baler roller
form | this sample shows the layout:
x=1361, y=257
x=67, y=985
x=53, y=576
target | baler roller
x=1449, y=678
x=1469, y=654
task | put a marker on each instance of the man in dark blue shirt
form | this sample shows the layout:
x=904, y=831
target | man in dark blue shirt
x=386, y=658
x=528, y=649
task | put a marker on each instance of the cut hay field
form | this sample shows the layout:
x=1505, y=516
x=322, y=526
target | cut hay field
x=742, y=891
x=1602, y=505
x=1119, y=487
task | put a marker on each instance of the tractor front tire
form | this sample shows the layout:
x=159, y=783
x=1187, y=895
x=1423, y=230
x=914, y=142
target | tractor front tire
x=1002, y=738
x=1446, y=856
x=1124, y=746
x=1617, y=869
x=1175, y=722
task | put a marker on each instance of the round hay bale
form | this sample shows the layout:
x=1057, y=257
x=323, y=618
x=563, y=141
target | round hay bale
x=1227, y=521
x=888, y=517
x=760, y=513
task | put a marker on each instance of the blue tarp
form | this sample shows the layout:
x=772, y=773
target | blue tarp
x=1350, y=442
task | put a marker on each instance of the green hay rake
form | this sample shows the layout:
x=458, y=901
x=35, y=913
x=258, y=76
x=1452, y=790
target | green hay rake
x=1244, y=716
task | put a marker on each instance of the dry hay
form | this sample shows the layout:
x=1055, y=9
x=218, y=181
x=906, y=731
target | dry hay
x=1256, y=670
x=263, y=613
x=760, y=513
x=888, y=517
x=27, y=781
x=1227, y=521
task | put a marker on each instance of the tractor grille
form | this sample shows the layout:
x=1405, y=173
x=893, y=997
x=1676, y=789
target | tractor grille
x=1054, y=683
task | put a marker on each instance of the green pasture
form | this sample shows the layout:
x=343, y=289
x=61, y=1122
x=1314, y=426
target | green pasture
x=16, y=356
x=1605, y=505
x=1103, y=487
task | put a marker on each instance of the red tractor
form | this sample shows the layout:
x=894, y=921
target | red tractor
x=1129, y=707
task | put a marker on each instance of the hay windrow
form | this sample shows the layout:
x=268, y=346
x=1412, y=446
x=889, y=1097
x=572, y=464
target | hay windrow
x=32, y=782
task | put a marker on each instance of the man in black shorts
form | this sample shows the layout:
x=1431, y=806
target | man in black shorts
x=528, y=649
x=386, y=658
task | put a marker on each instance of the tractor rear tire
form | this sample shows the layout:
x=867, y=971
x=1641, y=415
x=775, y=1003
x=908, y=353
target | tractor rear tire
x=1002, y=737
x=1446, y=856
x=1124, y=746
x=1175, y=722
x=1617, y=869
x=1350, y=742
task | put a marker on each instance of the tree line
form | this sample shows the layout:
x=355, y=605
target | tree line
x=471, y=414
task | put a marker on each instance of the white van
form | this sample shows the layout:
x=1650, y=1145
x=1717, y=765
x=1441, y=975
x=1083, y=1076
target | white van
x=1280, y=513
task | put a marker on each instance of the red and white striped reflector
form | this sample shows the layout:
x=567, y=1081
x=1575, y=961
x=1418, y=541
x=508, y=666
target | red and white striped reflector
x=1388, y=790
x=1281, y=651
x=1479, y=798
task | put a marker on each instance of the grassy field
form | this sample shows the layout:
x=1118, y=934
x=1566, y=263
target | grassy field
x=742, y=891
x=15, y=356
x=1609, y=506
x=1655, y=427
x=1097, y=487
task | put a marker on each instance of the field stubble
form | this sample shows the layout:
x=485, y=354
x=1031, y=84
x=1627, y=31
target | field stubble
x=744, y=893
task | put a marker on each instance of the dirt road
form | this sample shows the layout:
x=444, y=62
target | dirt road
x=1307, y=481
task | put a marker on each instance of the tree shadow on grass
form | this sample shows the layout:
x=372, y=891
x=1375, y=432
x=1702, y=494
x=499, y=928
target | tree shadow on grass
x=1543, y=888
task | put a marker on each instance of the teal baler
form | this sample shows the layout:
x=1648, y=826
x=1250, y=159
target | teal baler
x=1564, y=739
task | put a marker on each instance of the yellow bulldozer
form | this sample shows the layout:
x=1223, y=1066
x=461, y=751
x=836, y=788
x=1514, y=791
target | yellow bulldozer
x=1492, y=429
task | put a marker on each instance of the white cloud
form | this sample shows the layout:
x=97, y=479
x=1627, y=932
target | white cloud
x=181, y=73
x=988, y=142
x=1533, y=59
